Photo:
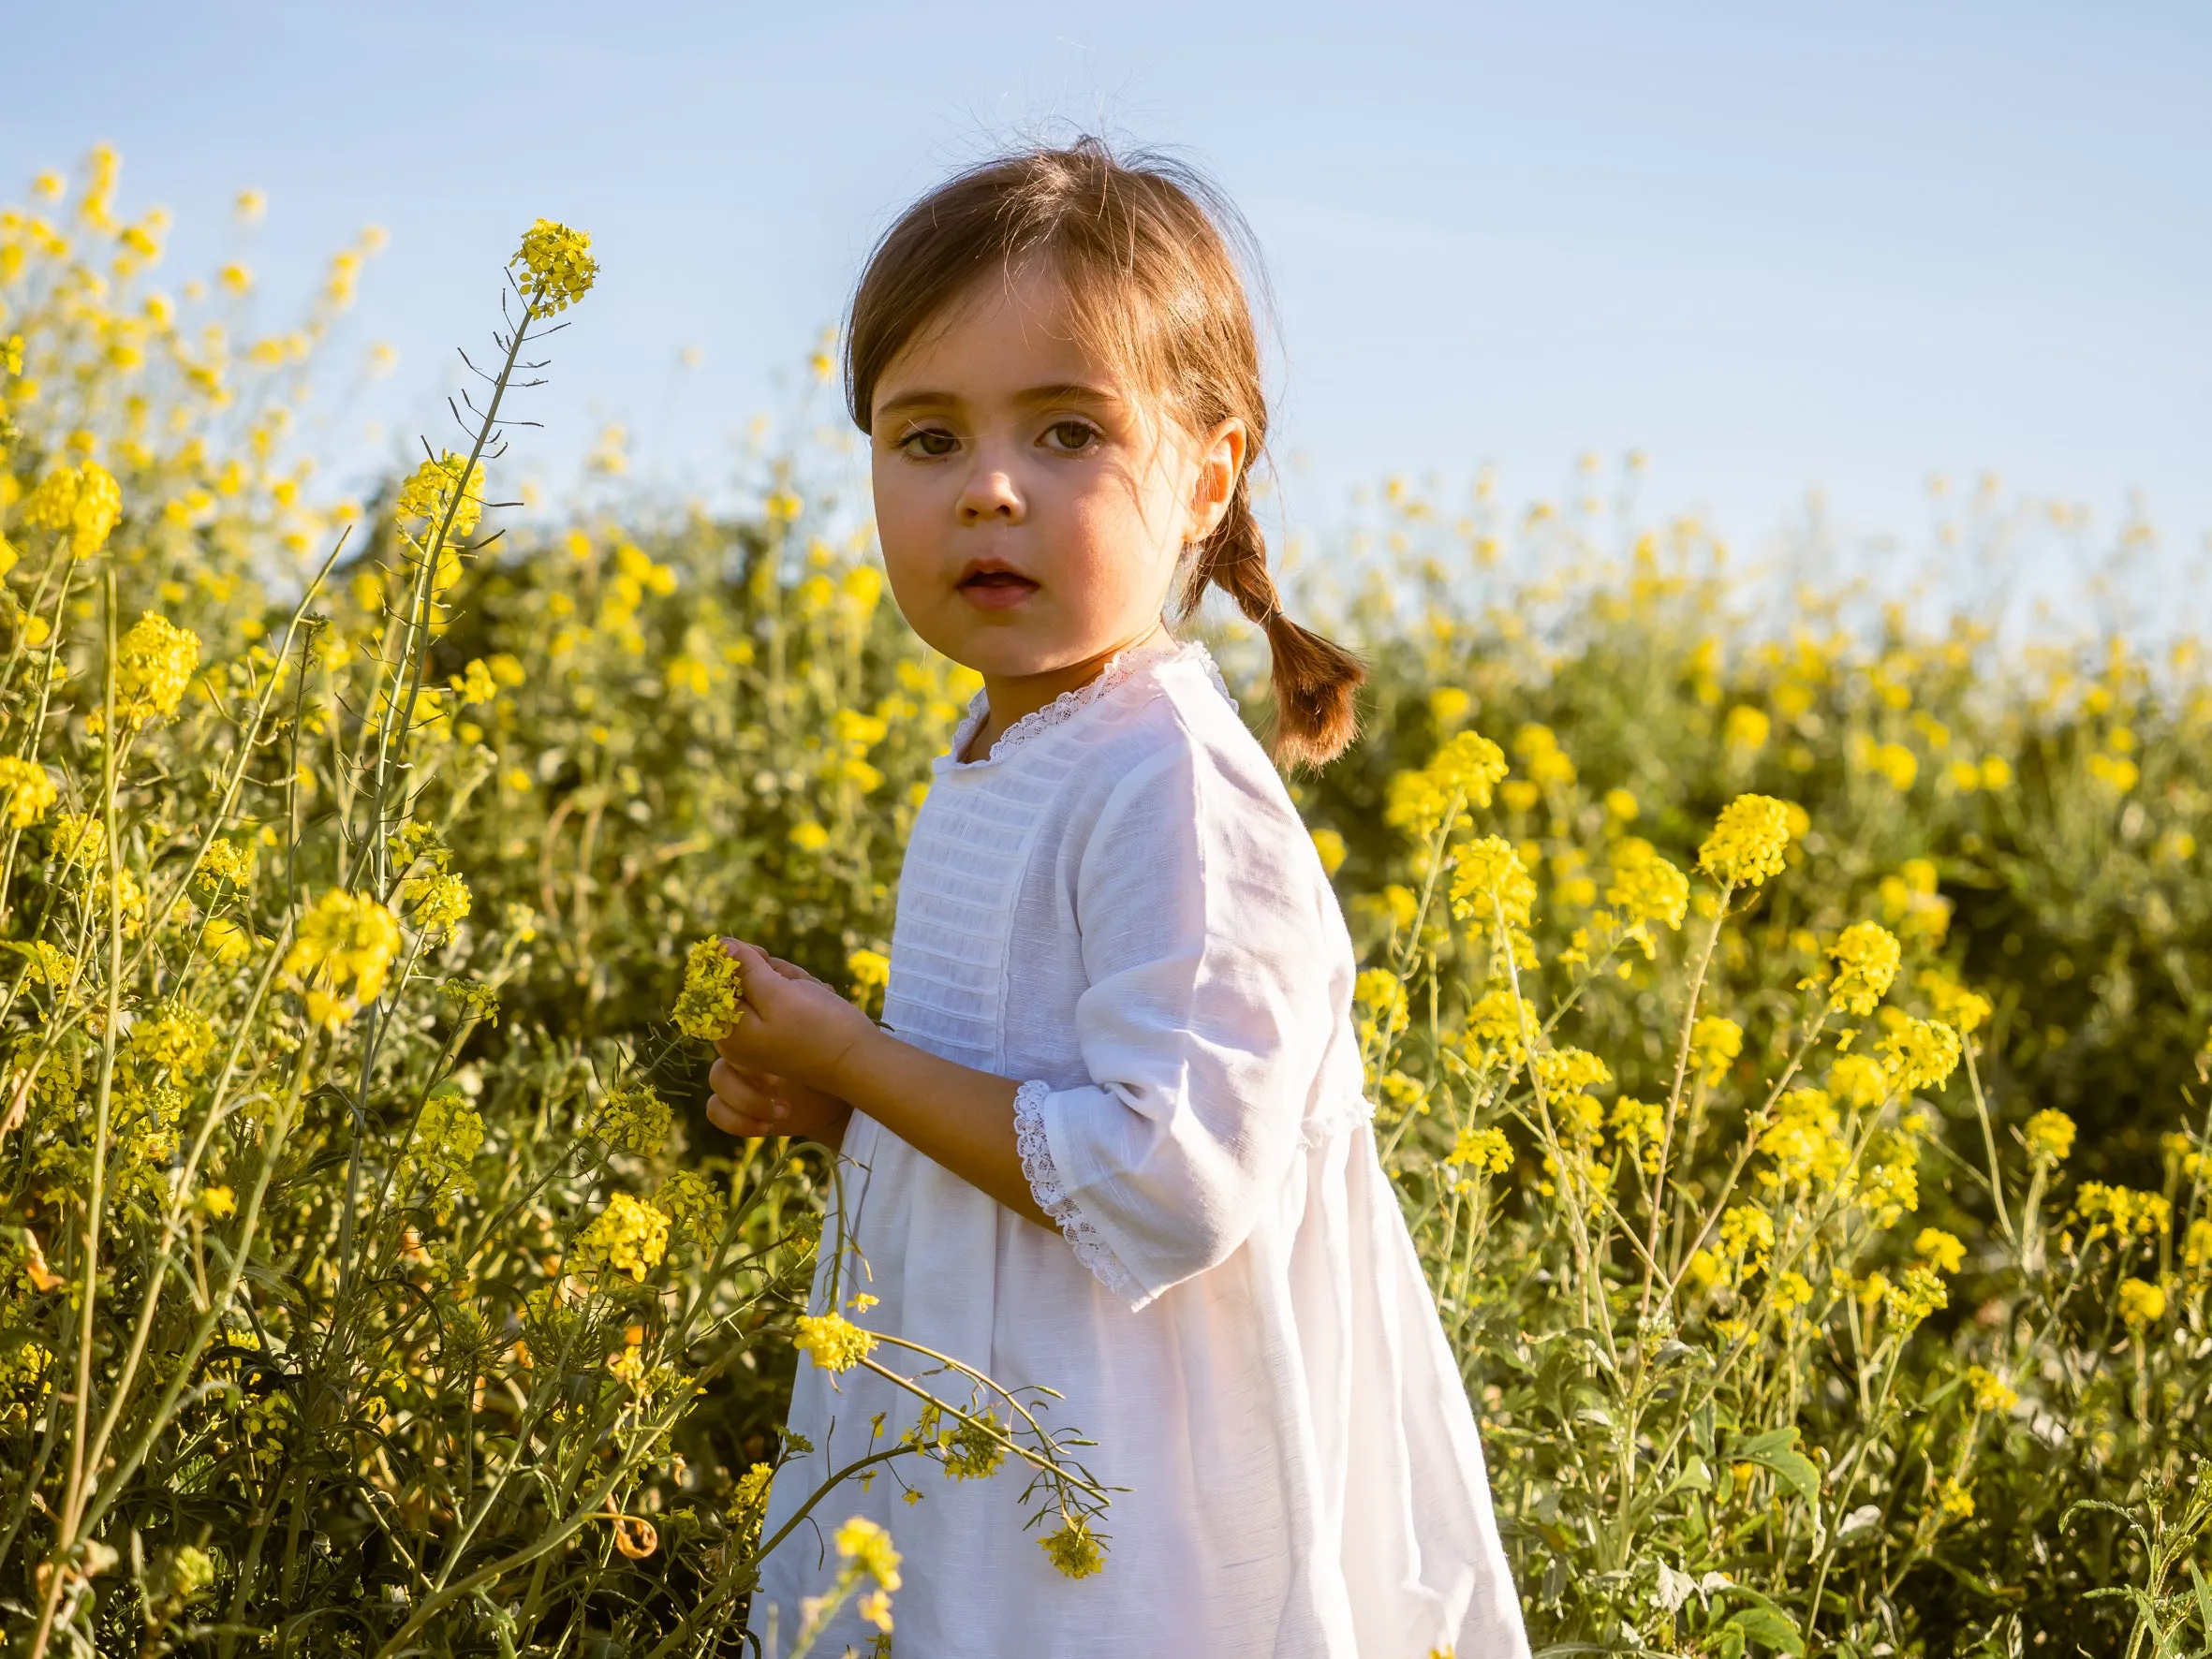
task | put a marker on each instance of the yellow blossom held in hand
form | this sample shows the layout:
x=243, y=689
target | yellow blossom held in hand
x=832, y=1341
x=708, y=1007
x=1866, y=956
x=1747, y=840
x=557, y=266
x=26, y=791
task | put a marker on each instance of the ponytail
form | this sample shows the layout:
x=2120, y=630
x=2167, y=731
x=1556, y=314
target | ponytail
x=1313, y=677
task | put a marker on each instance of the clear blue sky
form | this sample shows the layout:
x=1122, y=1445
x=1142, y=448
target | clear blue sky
x=1775, y=247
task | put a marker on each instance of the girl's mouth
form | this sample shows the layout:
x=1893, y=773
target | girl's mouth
x=994, y=587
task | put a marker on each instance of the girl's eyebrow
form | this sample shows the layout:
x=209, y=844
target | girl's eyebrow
x=1059, y=392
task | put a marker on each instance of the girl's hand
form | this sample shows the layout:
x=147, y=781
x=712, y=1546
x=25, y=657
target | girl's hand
x=795, y=1028
x=759, y=1103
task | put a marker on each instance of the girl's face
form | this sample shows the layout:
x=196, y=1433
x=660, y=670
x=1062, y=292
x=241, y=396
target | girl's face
x=1032, y=504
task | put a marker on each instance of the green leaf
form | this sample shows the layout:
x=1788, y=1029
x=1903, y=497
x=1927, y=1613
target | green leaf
x=1764, y=1625
x=1776, y=1450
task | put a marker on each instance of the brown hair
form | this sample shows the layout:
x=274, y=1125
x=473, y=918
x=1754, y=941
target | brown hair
x=1142, y=244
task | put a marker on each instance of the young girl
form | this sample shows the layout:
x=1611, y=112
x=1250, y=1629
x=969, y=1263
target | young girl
x=1109, y=1137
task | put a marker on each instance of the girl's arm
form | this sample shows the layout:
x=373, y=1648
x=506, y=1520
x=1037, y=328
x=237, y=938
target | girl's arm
x=797, y=1029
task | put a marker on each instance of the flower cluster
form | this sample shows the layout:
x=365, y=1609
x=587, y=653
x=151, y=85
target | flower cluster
x=340, y=954
x=710, y=1003
x=1747, y=842
x=557, y=266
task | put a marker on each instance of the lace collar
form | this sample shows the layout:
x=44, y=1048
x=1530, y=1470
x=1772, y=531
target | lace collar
x=1120, y=667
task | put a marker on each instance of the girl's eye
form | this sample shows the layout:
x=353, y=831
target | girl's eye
x=1071, y=437
x=929, y=438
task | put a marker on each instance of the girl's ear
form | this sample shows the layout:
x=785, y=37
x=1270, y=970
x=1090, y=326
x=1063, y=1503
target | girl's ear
x=1220, y=463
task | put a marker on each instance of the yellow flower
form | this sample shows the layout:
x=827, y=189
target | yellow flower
x=1955, y=1500
x=1470, y=765
x=1746, y=1234
x=2050, y=1138
x=1485, y=1150
x=867, y=1545
x=707, y=1008
x=1990, y=1391
x=695, y=1209
x=1897, y=765
x=449, y=1134
x=154, y=664
x=1803, y=1140
x=1072, y=1549
x=870, y=971
x=1791, y=1291
x=1645, y=888
x=557, y=266
x=832, y=1341
x=25, y=792
x=345, y=939
x=172, y=1037
x=1859, y=1081
x=1919, y=1293
x=2196, y=1247
x=1942, y=1250
x=437, y=902
x=226, y=940
x=1866, y=955
x=81, y=501
x=634, y=1119
x=1747, y=840
x=1383, y=992
x=437, y=486
x=1921, y=1054
x=1492, y=882
x=1955, y=1006
x=1330, y=845
x=809, y=836
x=1746, y=728
x=225, y=863
x=1714, y=1044
x=627, y=1235
x=2142, y=1303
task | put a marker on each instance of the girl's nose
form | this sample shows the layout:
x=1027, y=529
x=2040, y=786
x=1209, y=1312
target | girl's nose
x=990, y=493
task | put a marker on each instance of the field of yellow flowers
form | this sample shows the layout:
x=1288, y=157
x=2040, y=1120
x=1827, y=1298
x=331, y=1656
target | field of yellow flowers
x=1791, y=1042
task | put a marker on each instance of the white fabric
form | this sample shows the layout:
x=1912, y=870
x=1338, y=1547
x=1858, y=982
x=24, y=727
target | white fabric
x=1119, y=907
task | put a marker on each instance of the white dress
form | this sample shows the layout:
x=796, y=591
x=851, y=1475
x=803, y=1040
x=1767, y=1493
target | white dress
x=1119, y=907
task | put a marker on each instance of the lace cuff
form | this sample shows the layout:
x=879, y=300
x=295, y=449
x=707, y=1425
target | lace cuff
x=1088, y=1243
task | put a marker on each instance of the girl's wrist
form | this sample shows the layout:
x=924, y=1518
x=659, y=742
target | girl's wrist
x=851, y=1064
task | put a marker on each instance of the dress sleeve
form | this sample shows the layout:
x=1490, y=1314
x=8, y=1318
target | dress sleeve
x=1208, y=1007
